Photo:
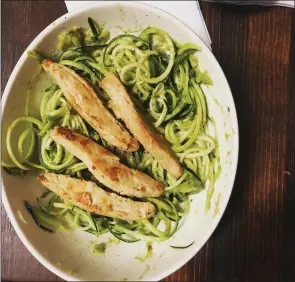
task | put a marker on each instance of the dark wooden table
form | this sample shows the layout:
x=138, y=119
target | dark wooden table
x=255, y=46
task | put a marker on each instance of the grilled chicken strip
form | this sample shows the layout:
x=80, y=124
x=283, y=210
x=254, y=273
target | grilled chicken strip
x=84, y=100
x=88, y=196
x=106, y=167
x=152, y=141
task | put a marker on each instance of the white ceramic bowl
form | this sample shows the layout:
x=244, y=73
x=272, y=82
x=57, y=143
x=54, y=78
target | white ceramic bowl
x=69, y=255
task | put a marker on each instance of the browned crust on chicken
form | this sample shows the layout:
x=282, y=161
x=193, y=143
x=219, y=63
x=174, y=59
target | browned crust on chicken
x=153, y=142
x=84, y=100
x=88, y=196
x=106, y=167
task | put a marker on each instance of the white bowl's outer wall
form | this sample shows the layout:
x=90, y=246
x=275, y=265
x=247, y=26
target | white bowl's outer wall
x=69, y=255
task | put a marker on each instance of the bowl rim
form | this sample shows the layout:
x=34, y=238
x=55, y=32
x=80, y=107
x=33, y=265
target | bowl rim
x=38, y=39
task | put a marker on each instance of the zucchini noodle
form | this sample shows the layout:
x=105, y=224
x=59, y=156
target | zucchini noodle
x=164, y=81
x=54, y=110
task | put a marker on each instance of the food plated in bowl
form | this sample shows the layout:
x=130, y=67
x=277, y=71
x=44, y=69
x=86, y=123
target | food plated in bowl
x=130, y=139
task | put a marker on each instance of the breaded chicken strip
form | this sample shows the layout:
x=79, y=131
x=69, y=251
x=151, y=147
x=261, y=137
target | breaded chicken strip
x=88, y=196
x=152, y=141
x=106, y=167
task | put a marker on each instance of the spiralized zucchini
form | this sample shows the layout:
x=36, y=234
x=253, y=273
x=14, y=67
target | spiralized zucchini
x=164, y=80
x=44, y=152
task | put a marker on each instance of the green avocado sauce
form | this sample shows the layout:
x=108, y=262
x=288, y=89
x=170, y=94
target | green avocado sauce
x=99, y=249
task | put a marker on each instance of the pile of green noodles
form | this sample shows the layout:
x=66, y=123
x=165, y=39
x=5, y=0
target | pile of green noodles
x=164, y=80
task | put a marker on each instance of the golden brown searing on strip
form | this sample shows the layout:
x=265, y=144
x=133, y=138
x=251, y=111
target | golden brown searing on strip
x=153, y=142
x=106, y=167
x=88, y=196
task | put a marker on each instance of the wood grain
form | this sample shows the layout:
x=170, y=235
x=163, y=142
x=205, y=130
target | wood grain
x=256, y=49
